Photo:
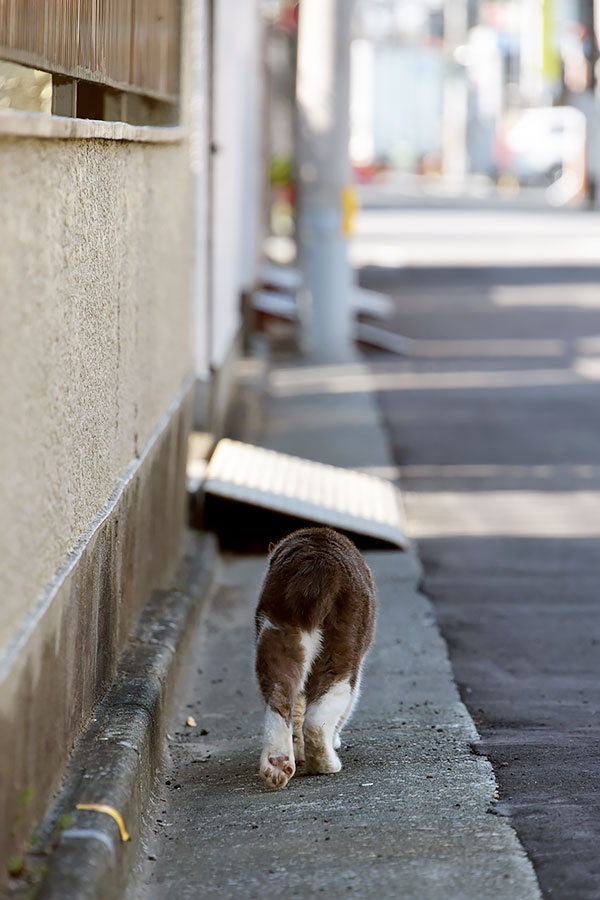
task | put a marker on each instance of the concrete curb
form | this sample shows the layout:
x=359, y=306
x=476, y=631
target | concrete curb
x=83, y=856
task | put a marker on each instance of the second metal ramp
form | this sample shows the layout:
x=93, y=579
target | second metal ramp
x=305, y=491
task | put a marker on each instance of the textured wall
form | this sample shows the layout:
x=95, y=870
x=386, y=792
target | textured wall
x=94, y=337
x=67, y=662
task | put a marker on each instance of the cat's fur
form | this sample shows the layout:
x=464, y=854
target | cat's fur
x=315, y=621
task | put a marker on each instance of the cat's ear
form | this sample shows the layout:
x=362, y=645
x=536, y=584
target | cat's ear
x=271, y=548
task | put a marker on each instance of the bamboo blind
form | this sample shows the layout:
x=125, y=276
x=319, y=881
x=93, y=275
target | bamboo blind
x=130, y=45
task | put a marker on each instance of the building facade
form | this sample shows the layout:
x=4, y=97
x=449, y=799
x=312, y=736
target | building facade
x=128, y=234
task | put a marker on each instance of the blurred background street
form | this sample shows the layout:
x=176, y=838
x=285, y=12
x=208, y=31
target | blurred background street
x=493, y=423
x=357, y=233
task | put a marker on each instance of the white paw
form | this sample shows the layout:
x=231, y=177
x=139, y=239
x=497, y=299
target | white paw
x=337, y=742
x=277, y=771
x=321, y=759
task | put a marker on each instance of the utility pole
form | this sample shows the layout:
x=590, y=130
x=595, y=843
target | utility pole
x=323, y=172
x=589, y=16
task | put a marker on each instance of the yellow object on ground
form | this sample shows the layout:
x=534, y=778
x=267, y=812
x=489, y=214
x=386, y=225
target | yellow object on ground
x=110, y=811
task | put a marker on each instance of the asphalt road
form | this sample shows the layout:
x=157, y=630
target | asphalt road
x=494, y=423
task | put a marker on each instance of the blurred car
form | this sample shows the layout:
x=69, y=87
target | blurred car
x=543, y=143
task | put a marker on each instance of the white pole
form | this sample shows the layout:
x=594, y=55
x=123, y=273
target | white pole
x=454, y=125
x=322, y=102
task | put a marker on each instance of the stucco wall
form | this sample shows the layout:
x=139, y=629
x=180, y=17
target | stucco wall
x=94, y=337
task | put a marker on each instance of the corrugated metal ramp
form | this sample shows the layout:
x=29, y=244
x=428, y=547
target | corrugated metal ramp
x=307, y=491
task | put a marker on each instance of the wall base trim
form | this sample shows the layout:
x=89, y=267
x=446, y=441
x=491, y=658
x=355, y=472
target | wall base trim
x=64, y=656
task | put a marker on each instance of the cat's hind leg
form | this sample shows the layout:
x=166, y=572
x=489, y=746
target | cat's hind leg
x=280, y=671
x=337, y=743
x=277, y=758
x=320, y=728
x=298, y=729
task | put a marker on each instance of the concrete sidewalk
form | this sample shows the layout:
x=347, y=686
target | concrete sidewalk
x=411, y=814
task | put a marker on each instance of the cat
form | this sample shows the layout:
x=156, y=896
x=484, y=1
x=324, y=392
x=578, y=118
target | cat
x=315, y=622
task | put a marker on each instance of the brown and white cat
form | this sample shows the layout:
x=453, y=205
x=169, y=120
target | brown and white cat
x=315, y=621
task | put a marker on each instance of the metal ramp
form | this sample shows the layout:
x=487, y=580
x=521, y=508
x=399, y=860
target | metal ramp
x=300, y=492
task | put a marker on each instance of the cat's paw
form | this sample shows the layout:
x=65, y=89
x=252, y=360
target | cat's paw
x=323, y=764
x=277, y=771
x=321, y=759
x=337, y=743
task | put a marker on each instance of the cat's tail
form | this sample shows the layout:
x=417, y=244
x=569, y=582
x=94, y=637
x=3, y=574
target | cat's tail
x=311, y=589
